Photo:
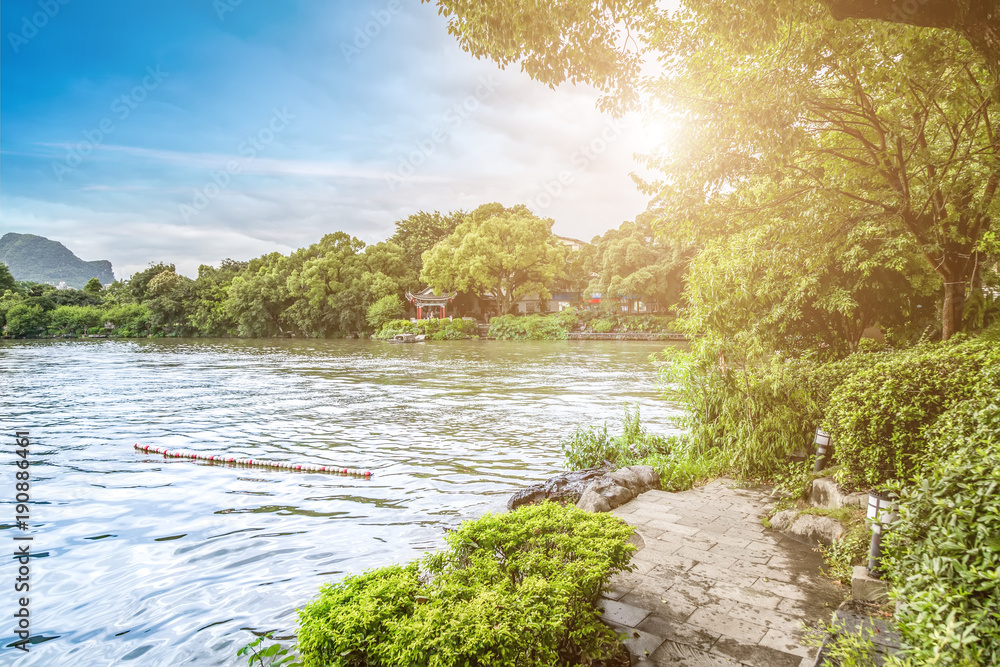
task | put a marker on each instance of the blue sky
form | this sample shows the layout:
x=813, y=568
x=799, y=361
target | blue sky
x=190, y=131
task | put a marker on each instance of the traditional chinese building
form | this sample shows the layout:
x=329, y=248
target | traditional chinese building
x=426, y=298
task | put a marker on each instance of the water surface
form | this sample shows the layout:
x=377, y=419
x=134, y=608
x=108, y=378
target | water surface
x=147, y=561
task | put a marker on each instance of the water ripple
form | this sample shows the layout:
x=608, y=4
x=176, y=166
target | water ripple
x=167, y=562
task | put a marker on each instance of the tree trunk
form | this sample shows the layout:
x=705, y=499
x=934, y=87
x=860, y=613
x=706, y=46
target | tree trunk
x=952, y=308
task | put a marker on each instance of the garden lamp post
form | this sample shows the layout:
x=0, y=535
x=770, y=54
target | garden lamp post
x=823, y=447
x=881, y=512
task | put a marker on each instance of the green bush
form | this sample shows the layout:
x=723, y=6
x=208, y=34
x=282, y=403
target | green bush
x=518, y=589
x=602, y=326
x=436, y=329
x=678, y=466
x=944, y=550
x=568, y=318
x=531, y=327
x=879, y=415
x=753, y=416
x=386, y=309
x=26, y=321
x=130, y=320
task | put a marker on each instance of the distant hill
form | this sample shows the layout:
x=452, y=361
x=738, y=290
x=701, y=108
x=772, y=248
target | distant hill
x=43, y=260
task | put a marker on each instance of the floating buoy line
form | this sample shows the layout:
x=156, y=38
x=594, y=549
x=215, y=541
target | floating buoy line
x=261, y=463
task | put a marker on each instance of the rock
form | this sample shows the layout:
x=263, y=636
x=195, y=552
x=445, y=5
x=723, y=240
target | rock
x=867, y=588
x=782, y=520
x=594, y=489
x=648, y=476
x=826, y=493
x=625, y=477
x=618, y=495
x=808, y=528
x=592, y=501
x=567, y=486
x=607, y=489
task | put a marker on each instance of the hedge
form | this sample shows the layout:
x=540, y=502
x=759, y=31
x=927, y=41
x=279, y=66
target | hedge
x=515, y=590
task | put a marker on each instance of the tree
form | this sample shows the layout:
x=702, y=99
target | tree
x=319, y=279
x=507, y=252
x=769, y=288
x=7, y=281
x=420, y=232
x=259, y=296
x=24, y=320
x=138, y=283
x=208, y=315
x=633, y=260
x=977, y=20
x=834, y=121
x=386, y=309
x=598, y=41
x=76, y=319
x=864, y=120
x=169, y=299
x=93, y=287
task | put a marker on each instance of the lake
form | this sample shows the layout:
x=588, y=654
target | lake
x=150, y=561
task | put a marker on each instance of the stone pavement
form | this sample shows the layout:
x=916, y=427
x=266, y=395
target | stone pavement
x=713, y=586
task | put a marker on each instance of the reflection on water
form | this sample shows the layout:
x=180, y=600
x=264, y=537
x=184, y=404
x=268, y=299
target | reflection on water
x=162, y=562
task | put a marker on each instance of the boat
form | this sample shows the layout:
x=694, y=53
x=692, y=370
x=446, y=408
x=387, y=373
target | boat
x=407, y=338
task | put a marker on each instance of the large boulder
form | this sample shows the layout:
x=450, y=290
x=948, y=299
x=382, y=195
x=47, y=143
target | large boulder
x=568, y=486
x=826, y=493
x=809, y=528
x=617, y=488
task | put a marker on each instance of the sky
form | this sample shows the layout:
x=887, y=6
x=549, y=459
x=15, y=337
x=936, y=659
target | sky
x=189, y=131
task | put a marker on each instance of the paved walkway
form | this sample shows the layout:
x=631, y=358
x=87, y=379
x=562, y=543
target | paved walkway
x=713, y=586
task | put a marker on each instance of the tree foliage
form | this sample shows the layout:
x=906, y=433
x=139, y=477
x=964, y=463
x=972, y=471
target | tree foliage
x=506, y=252
x=634, y=261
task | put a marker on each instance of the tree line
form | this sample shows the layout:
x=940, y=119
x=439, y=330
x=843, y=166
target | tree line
x=341, y=286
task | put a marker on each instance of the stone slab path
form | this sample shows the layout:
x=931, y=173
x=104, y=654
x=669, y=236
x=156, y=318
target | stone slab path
x=713, y=586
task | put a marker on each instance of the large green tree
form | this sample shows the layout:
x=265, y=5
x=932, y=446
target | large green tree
x=421, y=231
x=830, y=119
x=506, y=252
x=258, y=297
x=209, y=315
x=779, y=101
x=603, y=42
x=632, y=260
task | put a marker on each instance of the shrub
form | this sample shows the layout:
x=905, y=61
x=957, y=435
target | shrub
x=754, y=416
x=75, y=319
x=130, y=320
x=436, y=329
x=678, y=466
x=386, y=309
x=879, y=415
x=943, y=553
x=518, y=589
x=568, y=318
x=532, y=327
x=602, y=326
x=25, y=320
